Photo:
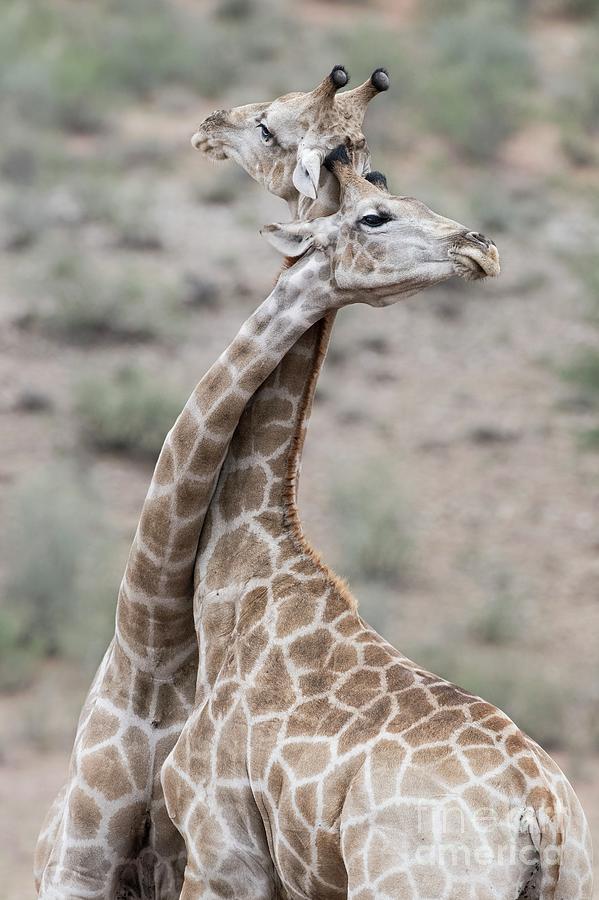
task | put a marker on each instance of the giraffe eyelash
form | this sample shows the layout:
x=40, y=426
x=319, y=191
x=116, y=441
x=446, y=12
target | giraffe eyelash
x=266, y=135
x=374, y=221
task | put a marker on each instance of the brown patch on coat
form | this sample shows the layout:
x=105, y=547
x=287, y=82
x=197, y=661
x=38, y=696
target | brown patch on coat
x=126, y=829
x=414, y=705
x=310, y=651
x=102, y=725
x=105, y=771
x=292, y=615
x=439, y=727
x=84, y=814
x=484, y=759
x=360, y=689
x=307, y=758
x=273, y=689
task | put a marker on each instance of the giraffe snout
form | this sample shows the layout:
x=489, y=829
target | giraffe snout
x=209, y=137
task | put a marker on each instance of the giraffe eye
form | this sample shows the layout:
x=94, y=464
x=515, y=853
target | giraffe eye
x=266, y=135
x=375, y=221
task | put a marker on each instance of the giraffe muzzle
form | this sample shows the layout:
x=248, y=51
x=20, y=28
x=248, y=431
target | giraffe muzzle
x=207, y=138
x=208, y=145
x=474, y=257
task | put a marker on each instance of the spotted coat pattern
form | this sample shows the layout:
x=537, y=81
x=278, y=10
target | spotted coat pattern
x=107, y=832
x=321, y=762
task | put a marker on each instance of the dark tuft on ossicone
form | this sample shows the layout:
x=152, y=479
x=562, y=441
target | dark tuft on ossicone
x=338, y=155
x=378, y=179
x=380, y=79
x=339, y=76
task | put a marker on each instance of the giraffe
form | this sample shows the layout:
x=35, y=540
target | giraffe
x=282, y=143
x=153, y=706
x=143, y=690
x=319, y=761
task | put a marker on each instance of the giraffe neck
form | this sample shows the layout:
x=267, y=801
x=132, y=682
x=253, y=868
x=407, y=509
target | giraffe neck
x=314, y=344
x=154, y=611
x=253, y=531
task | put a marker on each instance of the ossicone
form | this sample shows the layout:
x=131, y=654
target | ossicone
x=337, y=157
x=355, y=101
x=380, y=79
x=328, y=87
x=339, y=77
x=378, y=180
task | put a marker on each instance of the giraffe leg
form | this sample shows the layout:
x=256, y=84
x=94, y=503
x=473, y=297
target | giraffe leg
x=210, y=801
x=241, y=878
x=227, y=852
x=108, y=836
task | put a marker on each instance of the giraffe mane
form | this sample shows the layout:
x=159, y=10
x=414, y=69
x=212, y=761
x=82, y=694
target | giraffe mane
x=291, y=511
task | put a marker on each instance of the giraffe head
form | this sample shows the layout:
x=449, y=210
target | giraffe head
x=282, y=144
x=382, y=246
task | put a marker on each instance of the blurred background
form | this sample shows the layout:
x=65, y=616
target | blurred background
x=452, y=467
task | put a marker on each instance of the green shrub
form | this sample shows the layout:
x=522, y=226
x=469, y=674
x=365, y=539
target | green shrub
x=585, y=267
x=153, y=44
x=474, y=76
x=583, y=374
x=65, y=66
x=496, y=208
x=365, y=46
x=235, y=9
x=589, y=439
x=503, y=613
x=568, y=7
x=580, y=104
x=578, y=144
x=371, y=522
x=492, y=208
x=19, y=655
x=224, y=187
x=60, y=584
x=80, y=302
x=133, y=220
x=47, y=72
x=52, y=703
x=498, y=623
x=23, y=222
x=130, y=412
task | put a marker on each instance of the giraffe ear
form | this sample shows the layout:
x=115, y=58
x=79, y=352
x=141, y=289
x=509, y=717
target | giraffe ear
x=306, y=174
x=293, y=239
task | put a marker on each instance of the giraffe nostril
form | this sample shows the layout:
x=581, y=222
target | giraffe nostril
x=478, y=238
